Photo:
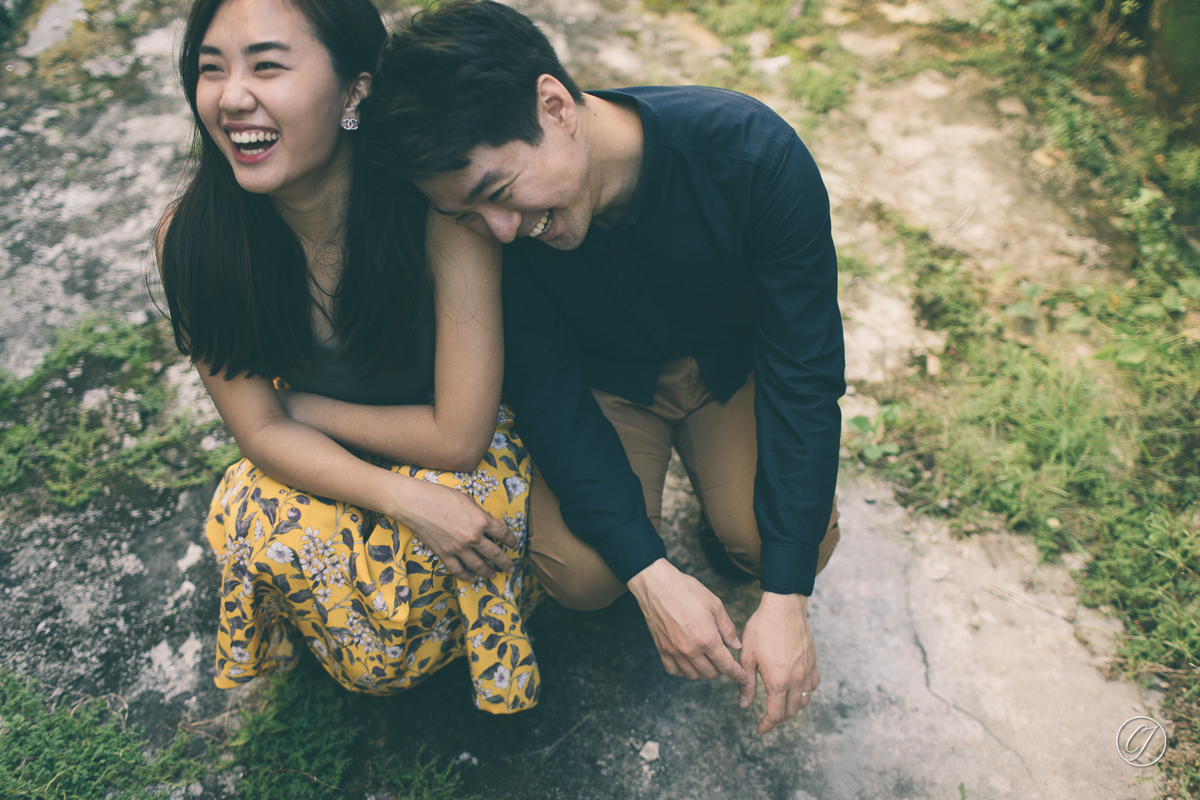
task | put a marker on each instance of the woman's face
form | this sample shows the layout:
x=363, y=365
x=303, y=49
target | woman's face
x=269, y=97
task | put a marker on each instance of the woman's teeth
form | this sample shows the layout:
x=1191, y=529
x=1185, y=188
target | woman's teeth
x=252, y=142
x=542, y=224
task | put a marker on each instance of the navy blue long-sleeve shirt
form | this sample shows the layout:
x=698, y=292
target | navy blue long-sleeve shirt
x=726, y=256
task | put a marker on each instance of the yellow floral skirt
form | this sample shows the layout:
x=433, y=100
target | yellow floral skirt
x=378, y=609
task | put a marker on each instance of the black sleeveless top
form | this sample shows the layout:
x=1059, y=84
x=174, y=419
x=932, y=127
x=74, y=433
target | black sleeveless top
x=334, y=374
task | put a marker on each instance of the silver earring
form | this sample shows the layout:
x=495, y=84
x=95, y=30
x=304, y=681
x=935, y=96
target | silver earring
x=350, y=124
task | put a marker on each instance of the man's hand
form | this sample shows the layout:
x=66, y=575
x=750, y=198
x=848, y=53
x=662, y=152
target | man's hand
x=779, y=645
x=688, y=622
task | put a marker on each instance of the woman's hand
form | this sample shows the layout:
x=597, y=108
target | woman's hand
x=457, y=530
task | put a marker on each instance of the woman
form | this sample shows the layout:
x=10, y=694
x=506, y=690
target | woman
x=286, y=258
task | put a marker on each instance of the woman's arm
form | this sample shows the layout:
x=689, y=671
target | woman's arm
x=448, y=522
x=455, y=432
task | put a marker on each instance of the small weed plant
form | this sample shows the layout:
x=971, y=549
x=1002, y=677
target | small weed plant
x=871, y=433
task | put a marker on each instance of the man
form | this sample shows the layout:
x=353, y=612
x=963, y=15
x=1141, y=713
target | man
x=670, y=281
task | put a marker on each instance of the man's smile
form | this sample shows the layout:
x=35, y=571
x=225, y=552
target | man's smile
x=542, y=224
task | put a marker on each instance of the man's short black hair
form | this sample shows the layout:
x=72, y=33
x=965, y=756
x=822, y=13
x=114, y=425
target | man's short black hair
x=459, y=75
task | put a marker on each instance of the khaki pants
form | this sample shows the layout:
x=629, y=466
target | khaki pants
x=718, y=446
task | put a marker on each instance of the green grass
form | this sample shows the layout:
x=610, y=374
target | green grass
x=56, y=452
x=824, y=82
x=1095, y=456
x=309, y=740
x=11, y=19
x=1098, y=457
x=77, y=751
x=304, y=740
x=821, y=74
x=301, y=743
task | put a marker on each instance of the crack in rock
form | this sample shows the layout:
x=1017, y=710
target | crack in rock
x=949, y=704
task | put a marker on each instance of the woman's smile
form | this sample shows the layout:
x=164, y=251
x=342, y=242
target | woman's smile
x=251, y=145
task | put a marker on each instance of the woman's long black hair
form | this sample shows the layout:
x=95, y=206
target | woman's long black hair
x=234, y=273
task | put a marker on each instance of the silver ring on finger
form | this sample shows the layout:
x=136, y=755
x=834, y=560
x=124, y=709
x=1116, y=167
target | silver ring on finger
x=805, y=694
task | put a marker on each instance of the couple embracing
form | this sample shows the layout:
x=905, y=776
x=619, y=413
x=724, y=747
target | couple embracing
x=333, y=269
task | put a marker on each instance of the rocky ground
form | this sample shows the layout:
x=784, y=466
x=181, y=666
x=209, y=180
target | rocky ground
x=950, y=668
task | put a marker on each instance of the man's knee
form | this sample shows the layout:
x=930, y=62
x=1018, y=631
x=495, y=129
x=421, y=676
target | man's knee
x=739, y=534
x=744, y=550
x=587, y=586
x=737, y=530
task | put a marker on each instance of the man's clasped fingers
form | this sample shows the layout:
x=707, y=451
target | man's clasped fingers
x=703, y=667
x=785, y=702
x=706, y=659
x=690, y=626
x=777, y=708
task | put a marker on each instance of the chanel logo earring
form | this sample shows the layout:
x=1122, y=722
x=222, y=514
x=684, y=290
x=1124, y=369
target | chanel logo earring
x=350, y=124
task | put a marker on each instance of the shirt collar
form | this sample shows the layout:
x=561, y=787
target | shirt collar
x=652, y=135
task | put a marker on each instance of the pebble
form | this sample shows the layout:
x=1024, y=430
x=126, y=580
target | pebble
x=759, y=43
x=1043, y=158
x=771, y=66
x=649, y=751
x=1012, y=107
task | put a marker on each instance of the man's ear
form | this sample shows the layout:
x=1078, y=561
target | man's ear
x=358, y=90
x=556, y=103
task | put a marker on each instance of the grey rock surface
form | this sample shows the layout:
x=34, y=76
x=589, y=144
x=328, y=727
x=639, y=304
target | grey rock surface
x=84, y=183
x=118, y=599
x=53, y=24
x=937, y=670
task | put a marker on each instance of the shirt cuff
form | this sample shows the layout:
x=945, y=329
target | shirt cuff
x=788, y=568
x=631, y=548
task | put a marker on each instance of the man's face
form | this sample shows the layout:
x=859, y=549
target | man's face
x=518, y=189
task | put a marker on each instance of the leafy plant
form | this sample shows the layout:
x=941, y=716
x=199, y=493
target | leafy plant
x=424, y=780
x=872, y=432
